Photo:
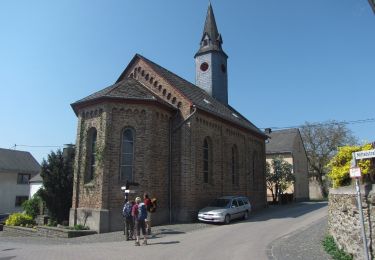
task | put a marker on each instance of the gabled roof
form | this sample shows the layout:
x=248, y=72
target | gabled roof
x=282, y=141
x=36, y=179
x=197, y=96
x=18, y=162
x=126, y=89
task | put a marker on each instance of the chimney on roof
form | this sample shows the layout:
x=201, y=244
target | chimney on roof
x=68, y=152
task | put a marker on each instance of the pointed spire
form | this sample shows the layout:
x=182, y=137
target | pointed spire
x=210, y=27
x=211, y=38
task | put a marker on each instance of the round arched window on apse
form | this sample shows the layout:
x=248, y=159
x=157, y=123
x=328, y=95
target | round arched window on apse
x=204, y=66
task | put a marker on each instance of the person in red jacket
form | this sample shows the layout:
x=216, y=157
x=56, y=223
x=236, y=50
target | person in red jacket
x=148, y=204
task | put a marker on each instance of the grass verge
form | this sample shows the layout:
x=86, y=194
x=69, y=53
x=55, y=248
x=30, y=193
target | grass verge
x=331, y=248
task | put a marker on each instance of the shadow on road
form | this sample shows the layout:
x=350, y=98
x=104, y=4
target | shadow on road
x=170, y=231
x=293, y=210
x=164, y=243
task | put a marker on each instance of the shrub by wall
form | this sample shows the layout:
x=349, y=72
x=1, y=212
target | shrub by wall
x=19, y=219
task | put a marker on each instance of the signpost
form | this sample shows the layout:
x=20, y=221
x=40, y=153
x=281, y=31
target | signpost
x=365, y=154
x=355, y=172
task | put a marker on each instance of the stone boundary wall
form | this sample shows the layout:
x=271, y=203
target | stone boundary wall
x=45, y=232
x=344, y=220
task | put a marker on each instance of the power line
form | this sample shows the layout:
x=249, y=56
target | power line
x=35, y=146
x=352, y=122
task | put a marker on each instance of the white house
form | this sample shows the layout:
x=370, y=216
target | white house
x=16, y=170
x=36, y=183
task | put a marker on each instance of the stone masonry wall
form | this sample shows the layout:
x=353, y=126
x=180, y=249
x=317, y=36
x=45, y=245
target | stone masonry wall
x=193, y=193
x=344, y=220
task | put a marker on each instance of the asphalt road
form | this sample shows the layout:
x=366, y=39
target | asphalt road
x=239, y=240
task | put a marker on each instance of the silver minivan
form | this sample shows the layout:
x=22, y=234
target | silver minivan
x=226, y=208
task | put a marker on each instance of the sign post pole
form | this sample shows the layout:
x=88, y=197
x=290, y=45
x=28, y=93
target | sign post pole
x=361, y=218
x=359, y=202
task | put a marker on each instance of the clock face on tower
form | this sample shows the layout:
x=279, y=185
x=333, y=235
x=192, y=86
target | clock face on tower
x=204, y=66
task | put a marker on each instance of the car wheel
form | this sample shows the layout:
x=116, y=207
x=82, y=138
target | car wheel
x=227, y=219
x=246, y=215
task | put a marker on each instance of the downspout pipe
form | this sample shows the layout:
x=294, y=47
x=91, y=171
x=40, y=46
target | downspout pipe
x=171, y=132
x=187, y=119
x=170, y=166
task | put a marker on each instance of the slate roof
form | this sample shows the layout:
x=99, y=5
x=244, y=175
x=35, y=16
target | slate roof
x=17, y=162
x=282, y=141
x=129, y=88
x=126, y=89
x=198, y=96
x=210, y=29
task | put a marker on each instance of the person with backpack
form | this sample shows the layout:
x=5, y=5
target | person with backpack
x=128, y=219
x=139, y=212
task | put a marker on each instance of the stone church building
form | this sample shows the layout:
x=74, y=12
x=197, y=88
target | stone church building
x=183, y=143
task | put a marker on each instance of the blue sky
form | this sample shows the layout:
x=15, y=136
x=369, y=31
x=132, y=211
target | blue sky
x=290, y=61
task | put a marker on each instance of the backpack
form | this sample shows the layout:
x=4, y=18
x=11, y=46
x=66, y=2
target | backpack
x=142, y=211
x=153, y=205
x=127, y=210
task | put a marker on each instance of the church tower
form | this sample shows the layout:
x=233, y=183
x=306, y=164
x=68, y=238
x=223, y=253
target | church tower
x=211, y=61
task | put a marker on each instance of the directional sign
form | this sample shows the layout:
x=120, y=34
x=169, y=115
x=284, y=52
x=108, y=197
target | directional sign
x=355, y=172
x=365, y=154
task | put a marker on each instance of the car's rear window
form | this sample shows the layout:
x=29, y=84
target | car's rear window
x=245, y=201
x=220, y=203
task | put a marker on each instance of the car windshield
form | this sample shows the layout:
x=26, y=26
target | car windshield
x=221, y=203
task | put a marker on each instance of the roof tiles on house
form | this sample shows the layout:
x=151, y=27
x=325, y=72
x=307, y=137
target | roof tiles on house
x=14, y=161
x=282, y=141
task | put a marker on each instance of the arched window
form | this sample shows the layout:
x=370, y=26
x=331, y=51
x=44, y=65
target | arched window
x=255, y=158
x=207, y=160
x=91, y=154
x=127, y=155
x=234, y=166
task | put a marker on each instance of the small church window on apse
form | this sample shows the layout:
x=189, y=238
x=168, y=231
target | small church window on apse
x=234, y=166
x=207, y=160
x=91, y=152
x=127, y=155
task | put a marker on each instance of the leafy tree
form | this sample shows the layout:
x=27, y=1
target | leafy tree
x=321, y=143
x=57, y=174
x=279, y=176
x=341, y=162
x=31, y=206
